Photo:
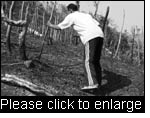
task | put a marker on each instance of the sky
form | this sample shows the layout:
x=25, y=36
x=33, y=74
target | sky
x=134, y=11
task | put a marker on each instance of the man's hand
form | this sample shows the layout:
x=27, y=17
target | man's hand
x=49, y=24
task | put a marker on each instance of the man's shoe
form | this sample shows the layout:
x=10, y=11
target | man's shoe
x=90, y=87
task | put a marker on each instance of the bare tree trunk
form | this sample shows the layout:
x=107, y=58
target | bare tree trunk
x=104, y=26
x=78, y=4
x=58, y=32
x=143, y=53
x=22, y=37
x=96, y=4
x=3, y=5
x=43, y=28
x=48, y=41
x=37, y=17
x=65, y=36
x=132, y=50
x=21, y=17
x=105, y=19
x=120, y=35
x=9, y=27
x=138, y=42
x=32, y=24
x=70, y=38
x=138, y=52
x=49, y=37
x=3, y=9
x=34, y=20
x=21, y=13
x=22, y=47
x=55, y=31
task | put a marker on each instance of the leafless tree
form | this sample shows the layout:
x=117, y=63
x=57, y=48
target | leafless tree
x=133, y=38
x=120, y=35
x=78, y=4
x=138, y=43
x=9, y=27
x=22, y=36
x=96, y=4
x=43, y=28
x=21, y=13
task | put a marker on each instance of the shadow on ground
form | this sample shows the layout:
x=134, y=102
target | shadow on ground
x=114, y=82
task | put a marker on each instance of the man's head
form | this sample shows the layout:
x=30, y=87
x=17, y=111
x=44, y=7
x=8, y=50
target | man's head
x=72, y=7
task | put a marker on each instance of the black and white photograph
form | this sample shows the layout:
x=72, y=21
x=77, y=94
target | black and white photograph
x=87, y=49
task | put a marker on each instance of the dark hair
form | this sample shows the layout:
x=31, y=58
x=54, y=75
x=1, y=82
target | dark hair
x=73, y=7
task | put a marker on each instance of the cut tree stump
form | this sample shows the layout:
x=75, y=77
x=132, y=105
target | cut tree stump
x=18, y=82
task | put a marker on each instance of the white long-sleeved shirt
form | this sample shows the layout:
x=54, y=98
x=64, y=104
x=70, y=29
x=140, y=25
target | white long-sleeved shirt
x=84, y=24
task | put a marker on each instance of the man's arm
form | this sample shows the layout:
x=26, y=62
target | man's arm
x=67, y=22
x=53, y=26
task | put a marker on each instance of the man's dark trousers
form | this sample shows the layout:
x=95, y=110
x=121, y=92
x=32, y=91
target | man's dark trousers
x=92, y=55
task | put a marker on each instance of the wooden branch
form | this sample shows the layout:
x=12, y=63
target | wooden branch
x=20, y=23
x=11, y=64
x=15, y=81
x=105, y=20
x=120, y=35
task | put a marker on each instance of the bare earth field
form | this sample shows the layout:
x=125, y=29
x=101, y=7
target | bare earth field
x=61, y=71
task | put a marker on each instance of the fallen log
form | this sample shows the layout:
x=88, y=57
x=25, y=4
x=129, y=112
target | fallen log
x=18, y=82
